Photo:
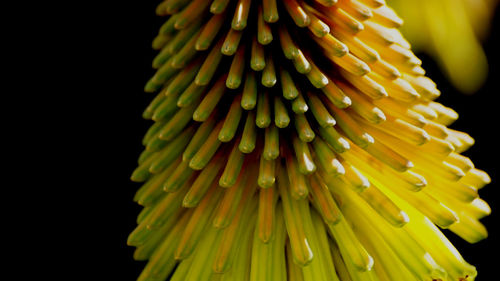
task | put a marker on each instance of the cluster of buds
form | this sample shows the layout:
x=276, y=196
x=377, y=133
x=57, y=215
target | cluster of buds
x=299, y=140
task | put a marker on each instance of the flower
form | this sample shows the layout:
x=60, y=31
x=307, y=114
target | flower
x=453, y=32
x=299, y=140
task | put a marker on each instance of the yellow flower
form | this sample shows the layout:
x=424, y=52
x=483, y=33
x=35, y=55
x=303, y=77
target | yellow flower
x=451, y=31
x=299, y=140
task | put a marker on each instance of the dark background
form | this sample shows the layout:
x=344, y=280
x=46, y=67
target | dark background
x=118, y=50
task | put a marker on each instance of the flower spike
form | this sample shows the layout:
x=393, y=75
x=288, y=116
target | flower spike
x=299, y=140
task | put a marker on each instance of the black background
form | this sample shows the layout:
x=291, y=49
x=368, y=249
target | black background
x=117, y=56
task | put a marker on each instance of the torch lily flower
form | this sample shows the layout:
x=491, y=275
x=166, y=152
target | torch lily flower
x=299, y=140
